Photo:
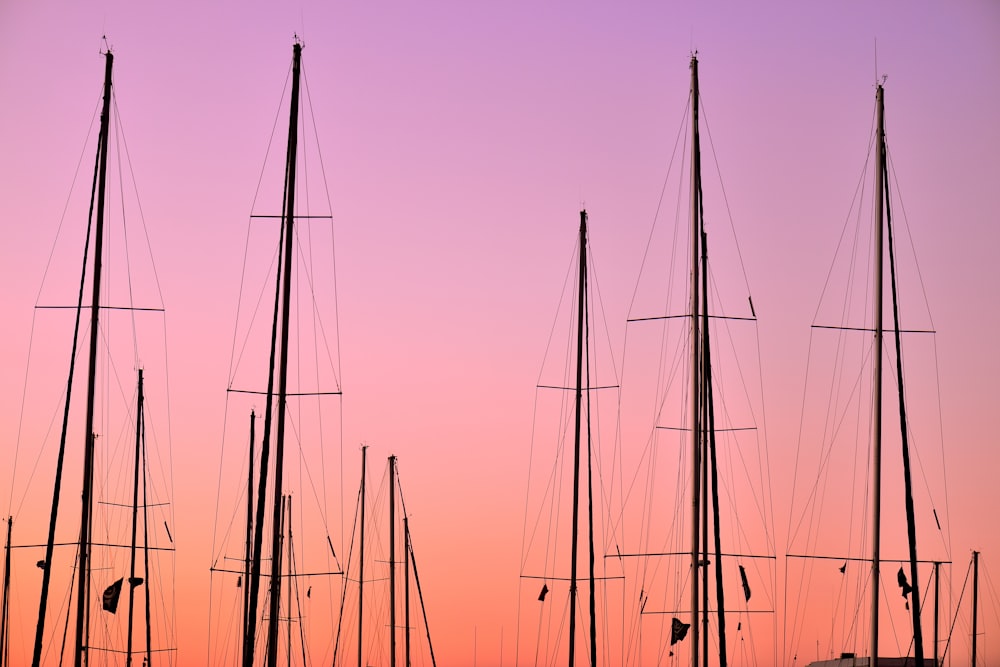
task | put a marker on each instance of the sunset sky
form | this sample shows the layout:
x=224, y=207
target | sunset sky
x=459, y=142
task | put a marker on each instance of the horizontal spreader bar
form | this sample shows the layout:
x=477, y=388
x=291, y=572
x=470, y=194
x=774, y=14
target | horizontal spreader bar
x=714, y=611
x=865, y=560
x=528, y=576
x=687, y=553
x=718, y=430
x=296, y=217
x=297, y=574
x=93, y=544
x=146, y=310
x=306, y=393
x=821, y=326
x=681, y=317
x=553, y=386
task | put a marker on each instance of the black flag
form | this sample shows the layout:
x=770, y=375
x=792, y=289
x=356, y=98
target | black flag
x=746, y=586
x=111, y=595
x=903, y=583
x=678, y=630
x=545, y=590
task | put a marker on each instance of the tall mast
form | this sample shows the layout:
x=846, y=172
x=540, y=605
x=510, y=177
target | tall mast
x=711, y=464
x=145, y=547
x=406, y=585
x=83, y=572
x=877, y=398
x=5, y=613
x=288, y=220
x=937, y=610
x=132, y=581
x=248, y=557
x=590, y=499
x=361, y=562
x=975, y=603
x=695, y=394
x=392, y=561
x=291, y=564
x=581, y=305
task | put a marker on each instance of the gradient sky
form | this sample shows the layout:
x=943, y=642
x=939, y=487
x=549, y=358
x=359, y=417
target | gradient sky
x=460, y=141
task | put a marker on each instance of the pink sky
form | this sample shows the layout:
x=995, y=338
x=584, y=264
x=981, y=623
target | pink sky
x=460, y=141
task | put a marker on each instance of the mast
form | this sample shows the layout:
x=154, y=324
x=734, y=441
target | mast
x=281, y=308
x=877, y=398
x=406, y=585
x=392, y=561
x=711, y=464
x=695, y=394
x=145, y=547
x=83, y=573
x=289, y=219
x=132, y=581
x=288, y=514
x=5, y=613
x=361, y=561
x=975, y=603
x=581, y=305
x=248, y=557
x=937, y=607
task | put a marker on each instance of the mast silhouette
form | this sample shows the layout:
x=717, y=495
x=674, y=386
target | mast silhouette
x=883, y=222
x=705, y=477
x=248, y=553
x=877, y=354
x=288, y=224
x=580, y=343
x=695, y=365
x=134, y=581
x=5, y=613
x=279, y=346
x=975, y=604
x=361, y=562
x=392, y=561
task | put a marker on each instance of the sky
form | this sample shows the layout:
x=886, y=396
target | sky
x=459, y=143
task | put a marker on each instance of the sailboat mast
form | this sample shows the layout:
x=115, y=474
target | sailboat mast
x=5, y=613
x=712, y=463
x=361, y=561
x=975, y=603
x=406, y=586
x=288, y=220
x=291, y=564
x=145, y=547
x=877, y=356
x=249, y=537
x=392, y=561
x=135, y=519
x=83, y=571
x=695, y=393
x=937, y=610
x=581, y=304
